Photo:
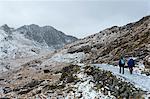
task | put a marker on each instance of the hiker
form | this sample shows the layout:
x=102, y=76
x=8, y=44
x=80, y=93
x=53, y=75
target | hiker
x=131, y=64
x=121, y=64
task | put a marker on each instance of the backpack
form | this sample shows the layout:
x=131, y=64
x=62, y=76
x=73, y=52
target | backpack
x=122, y=61
x=131, y=63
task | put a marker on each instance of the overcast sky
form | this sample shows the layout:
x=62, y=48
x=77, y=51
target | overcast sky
x=74, y=17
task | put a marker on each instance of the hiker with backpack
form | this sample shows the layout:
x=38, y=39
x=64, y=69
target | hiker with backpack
x=121, y=64
x=131, y=64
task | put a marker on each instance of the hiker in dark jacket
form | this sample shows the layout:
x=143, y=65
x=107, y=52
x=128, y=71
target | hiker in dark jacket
x=131, y=64
x=121, y=64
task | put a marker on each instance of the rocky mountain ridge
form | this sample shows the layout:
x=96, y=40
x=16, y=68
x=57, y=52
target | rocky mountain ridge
x=46, y=34
x=31, y=37
x=131, y=40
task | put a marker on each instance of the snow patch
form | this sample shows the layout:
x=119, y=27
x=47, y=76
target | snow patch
x=85, y=89
x=68, y=58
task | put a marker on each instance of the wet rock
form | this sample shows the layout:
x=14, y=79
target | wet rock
x=94, y=51
x=33, y=65
x=7, y=90
x=33, y=83
x=24, y=91
x=46, y=71
x=35, y=50
x=98, y=45
x=19, y=78
x=86, y=48
x=70, y=79
x=27, y=87
x=74, y=50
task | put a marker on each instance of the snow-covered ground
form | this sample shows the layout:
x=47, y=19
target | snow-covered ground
x=68, y=58
x=139, y=80
x=86, y=87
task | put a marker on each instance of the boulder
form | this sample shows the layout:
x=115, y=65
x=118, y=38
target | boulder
x=35, y=50
x=71, y=50
x=46, y=71
x=94, y=51
x=74, y=50
x=70, y=79
x=97, y=45
x=7, y=90
x=33, y=83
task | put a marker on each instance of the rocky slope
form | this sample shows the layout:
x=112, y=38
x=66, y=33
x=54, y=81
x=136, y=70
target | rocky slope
x=131, y=40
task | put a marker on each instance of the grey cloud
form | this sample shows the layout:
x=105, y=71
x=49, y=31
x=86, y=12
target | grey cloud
x=77, y=17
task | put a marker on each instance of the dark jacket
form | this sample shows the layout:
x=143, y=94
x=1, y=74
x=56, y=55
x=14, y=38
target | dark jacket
x=131, y=63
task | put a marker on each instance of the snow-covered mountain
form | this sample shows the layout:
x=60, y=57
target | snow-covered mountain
x=15, y=45
x=30, y=40
x=46, y=34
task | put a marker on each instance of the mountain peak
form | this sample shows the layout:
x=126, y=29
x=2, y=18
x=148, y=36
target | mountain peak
x=146, y=17
x=33, y=25
x=30, y=26
x=48, y=27
x=45, y=34
x=6, y=28
x=145, y=20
